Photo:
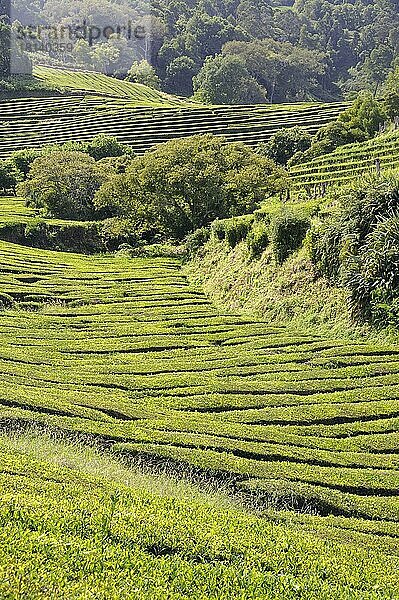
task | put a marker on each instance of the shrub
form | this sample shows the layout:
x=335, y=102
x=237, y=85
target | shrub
x=63, y=184
x=218, y=229
x=105, y=146
x=23, y=159
x=285, y=143
x=144, y=73
x=359, y=122
x=372, y=274
x=9, y=176
x=196, y=240
x=6, y=301
x=287, y=232
x=258, y=238
x=115, y=232
x=236, y=230
x=358, y=247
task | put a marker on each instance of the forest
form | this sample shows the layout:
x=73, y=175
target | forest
x=229, y=51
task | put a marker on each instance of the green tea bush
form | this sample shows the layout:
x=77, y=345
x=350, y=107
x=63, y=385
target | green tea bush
x=258, y=238
x=196, y=240
x=6, y=301
x=287, y=232
x=237, y=229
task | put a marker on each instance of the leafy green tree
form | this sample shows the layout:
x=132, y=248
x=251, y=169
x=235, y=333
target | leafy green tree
x=286, y=71
x=105, y=146
x=359, y=122
x=226, y=80
x=63, y=184
x=364, y=117
x=184, y=185
x=285, y=143
x=23, y=159
x=9, y=176
x=179, y=74
x=143, y=72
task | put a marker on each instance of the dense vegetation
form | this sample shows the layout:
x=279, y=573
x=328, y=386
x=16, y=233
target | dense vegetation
x=123, y=352
x=280, y=50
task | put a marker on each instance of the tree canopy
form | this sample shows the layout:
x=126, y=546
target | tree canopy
x=186, y=184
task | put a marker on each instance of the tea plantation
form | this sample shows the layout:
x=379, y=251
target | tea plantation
x=349, y=162
x=124, y=351
x=94, y=103
x=153, y=446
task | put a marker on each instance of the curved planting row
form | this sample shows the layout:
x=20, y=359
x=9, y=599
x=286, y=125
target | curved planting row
x=98, y=83
x=124, y=350
x=347, y=163
x=140, y=116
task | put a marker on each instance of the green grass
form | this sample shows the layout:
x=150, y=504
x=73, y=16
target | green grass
x=348, y=163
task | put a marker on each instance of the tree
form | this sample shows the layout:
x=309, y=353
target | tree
x=23, y=159
x=185, y=184
x=364, y=117
x=143, y=72
x=358, y=123
x=180, y=73
x=226, y=80
x=63, y=184
x=286, y=71
x=9, y=176
x=285, y=143
x=104, y=146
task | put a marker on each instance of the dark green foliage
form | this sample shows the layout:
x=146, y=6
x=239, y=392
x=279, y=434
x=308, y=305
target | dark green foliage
x=115, y=232
x=285, y=143
x=23, y=159
x=226, y=80
x=186, y=184
x=358, y=123
x=237, y=229
x=63, y=184
x=218, y=229
x=287, y=232
x=358, y=246
x=9, y=176
x=5, y=300
x=196, y=240
x=372, y=275
x=103, y=146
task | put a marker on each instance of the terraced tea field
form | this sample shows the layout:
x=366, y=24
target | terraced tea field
x=348, y=163
x=78, y=524
x=139, y=116
x=125, y=351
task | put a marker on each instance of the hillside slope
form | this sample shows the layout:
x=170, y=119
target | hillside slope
x=77, y=524
x=139, y=116
x=307, y=415
x=348, y=163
